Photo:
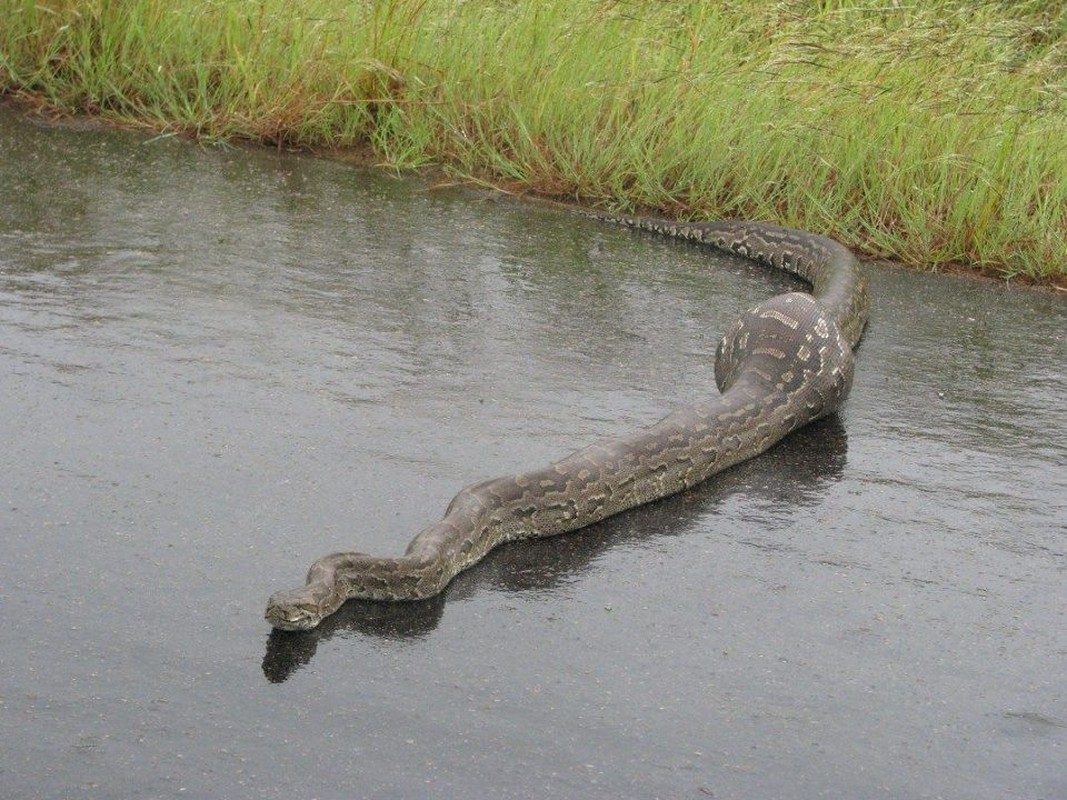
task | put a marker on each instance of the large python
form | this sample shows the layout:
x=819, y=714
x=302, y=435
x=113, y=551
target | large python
x=783, y=364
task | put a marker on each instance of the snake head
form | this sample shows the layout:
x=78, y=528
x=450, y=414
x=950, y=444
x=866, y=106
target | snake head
x=293, y=610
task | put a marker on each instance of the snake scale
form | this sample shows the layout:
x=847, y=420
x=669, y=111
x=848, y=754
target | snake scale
x=783, y=364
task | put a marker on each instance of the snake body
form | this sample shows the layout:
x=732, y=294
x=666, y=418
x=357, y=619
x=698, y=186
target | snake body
x=783, y=364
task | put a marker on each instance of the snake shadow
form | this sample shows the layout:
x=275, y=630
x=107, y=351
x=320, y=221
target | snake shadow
x=791, y=474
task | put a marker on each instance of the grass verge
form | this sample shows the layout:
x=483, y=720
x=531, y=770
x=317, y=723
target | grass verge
x=933, y=133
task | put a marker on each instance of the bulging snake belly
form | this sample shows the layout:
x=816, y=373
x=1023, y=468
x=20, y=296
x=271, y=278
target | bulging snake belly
x=783, y=364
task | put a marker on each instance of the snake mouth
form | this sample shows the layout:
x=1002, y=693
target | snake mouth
x=290, y=619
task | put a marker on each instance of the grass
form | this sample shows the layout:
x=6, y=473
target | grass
x=931, y=132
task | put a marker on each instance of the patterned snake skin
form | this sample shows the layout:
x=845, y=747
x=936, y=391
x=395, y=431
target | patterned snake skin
x=783, y=364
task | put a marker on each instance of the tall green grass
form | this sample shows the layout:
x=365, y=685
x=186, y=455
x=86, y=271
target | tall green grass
x=931, y=132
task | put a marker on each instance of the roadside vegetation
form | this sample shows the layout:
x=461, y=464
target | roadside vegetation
x=930, y=132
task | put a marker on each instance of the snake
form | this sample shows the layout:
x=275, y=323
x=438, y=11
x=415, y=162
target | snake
x=781, y=365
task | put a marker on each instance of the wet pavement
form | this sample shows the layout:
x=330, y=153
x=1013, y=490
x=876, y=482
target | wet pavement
x=219, y=364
